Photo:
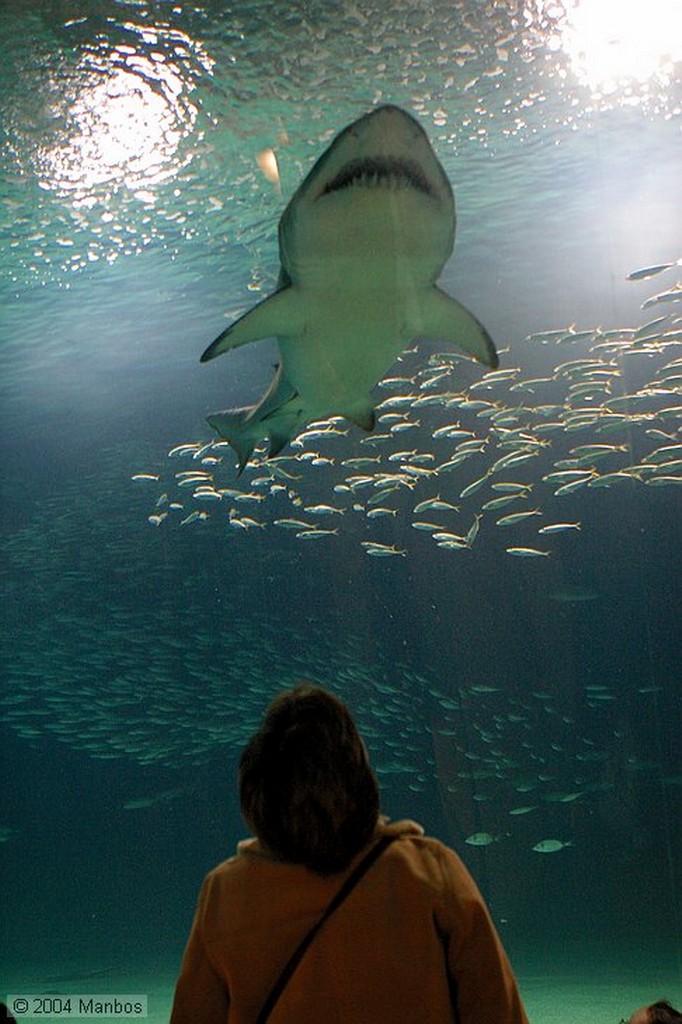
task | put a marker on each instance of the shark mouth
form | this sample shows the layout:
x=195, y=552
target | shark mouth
x=380, y=172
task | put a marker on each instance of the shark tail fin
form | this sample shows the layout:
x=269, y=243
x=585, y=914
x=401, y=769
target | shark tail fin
x=442, y=318
x=233, y=427
x=280, y=314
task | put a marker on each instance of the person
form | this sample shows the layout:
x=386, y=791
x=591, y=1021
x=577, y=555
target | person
x=413, y=941
x=657, y=1013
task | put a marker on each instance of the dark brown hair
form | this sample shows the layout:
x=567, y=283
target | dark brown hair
x=663, y=1013
x=305, y=784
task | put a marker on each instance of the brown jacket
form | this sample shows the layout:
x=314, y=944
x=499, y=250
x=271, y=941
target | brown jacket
x=412, y=944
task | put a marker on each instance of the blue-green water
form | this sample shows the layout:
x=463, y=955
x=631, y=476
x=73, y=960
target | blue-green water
x=523, y=698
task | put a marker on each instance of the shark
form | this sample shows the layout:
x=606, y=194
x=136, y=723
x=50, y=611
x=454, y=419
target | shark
x=362, y=243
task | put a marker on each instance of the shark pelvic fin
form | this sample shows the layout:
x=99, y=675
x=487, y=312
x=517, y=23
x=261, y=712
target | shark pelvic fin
x=278, y=441
x=281, y=313
x=233, y=427
x=283, y=423
x=362, y=414
x=443, y=318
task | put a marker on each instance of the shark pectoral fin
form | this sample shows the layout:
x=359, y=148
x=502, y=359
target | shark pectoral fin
x=445, y=319
x=281, y=313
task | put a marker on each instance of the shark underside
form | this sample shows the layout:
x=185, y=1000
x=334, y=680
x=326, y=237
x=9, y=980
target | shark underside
x=362, y=243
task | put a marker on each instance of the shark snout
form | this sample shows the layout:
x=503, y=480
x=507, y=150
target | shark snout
x=388, y=129
x=385, y=149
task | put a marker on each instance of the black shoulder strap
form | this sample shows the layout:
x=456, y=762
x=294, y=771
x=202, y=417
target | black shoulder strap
x=293, y=962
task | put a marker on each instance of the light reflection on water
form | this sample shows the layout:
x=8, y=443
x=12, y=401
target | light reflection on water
x=139, y=123
x=122, y=117
x=617, y=49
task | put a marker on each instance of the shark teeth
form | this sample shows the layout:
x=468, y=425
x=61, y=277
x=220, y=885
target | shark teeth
x=379, y=172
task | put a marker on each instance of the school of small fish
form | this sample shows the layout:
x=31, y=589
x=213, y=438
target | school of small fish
x=456, y=461
x=513, y=764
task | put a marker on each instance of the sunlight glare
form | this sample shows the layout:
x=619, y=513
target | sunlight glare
x=125, y=124
x=611, y=43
